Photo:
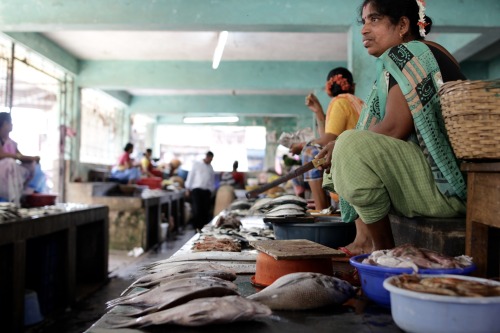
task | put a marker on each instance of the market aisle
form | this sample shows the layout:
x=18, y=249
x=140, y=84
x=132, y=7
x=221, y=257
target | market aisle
x=89, y=310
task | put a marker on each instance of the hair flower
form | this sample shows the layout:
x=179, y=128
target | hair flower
x=339, y=80
x=421, y=17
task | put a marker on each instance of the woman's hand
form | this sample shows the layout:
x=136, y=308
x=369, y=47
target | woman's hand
x=313, y=104
x=24, y=158
x=326, y=152
x=296, y=148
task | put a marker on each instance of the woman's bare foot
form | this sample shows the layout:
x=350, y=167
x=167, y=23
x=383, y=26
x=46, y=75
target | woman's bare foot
x=355, y=248
x=363, y=243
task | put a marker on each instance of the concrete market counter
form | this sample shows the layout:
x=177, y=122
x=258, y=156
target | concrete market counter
x=361, y=316
x=63, y=257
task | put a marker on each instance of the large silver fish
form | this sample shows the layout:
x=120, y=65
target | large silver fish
x=288, y=198
x=285, y=212
x=288, y=206
x=169, y=285
x=148, y=283
x=304, y=290
x=156, y=299
x=211, y=255
x=259, y=205
x=238, y=267
x=184, y=267
x=198, y=312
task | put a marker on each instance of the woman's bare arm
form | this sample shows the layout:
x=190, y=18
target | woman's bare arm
x=398, y=121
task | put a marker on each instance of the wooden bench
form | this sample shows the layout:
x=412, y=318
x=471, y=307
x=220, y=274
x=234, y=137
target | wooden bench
x=483, y=217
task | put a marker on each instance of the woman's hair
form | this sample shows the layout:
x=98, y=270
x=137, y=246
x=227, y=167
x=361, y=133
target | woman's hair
x=128, y=146
x=396, y=9
x=5, y=117
x=340, y=81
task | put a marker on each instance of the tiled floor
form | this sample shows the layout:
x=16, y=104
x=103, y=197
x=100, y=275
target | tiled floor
x=122, y=268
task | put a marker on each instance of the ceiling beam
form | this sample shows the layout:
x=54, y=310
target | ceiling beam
x=46, y=48
x=482, y=42
x=232, y=15
x=193, y=75
x=245, y=105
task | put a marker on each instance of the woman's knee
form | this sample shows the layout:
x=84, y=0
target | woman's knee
x=350, y=142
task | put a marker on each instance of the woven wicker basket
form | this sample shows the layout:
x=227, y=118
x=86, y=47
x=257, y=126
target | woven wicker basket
x=471, y=111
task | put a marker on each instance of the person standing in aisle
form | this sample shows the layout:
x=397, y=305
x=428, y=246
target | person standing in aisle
x=200, y=185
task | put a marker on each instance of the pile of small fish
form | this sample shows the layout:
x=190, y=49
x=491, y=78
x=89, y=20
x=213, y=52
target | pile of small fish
x=448, y=286
x=304, y=290
x=8, y=212
x=239, y=207
x=210, y=243
x=230, y=221
x=407, y=255
x=285, y=205
x=184, y=293
x=243, y=236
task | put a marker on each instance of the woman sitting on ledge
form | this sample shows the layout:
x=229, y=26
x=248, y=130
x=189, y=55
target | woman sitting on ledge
x=399, y=158
x=126, y=171
x=16, y=169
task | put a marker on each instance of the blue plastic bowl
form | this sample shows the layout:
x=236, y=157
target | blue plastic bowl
x=372, y=277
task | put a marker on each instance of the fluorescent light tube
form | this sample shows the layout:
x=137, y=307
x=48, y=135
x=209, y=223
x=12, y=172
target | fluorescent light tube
x=219, y=49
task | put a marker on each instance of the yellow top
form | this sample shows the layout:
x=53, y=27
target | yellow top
x=145, y=162
x=343, y=113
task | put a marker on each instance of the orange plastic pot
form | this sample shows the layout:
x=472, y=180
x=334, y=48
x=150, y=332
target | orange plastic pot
x=269, y=269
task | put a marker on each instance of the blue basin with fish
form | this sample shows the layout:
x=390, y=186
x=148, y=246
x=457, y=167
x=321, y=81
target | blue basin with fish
x=372, y=277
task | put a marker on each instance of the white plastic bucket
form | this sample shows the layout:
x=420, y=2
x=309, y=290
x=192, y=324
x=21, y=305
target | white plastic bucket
x=32, y=314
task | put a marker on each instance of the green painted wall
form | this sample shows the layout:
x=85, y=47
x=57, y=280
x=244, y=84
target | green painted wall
x=457, y=24
x=494, y=69
x=475, y=70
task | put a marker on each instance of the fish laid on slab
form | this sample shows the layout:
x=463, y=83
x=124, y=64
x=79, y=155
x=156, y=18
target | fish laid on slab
x=288, y=198
x=225, y=275
x=155, y=300
x=288, y=206
x=211, y=256
x=285, y=212
x=238, y=267
x=259, y=204
x=184, y=267
x=167, y=286
x=198, y=312
x=304, y=290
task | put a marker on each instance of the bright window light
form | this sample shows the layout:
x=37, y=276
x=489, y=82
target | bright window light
x=205, y=120
x=219, y=49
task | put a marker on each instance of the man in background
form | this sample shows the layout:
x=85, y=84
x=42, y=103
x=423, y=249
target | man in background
x=200, y=185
